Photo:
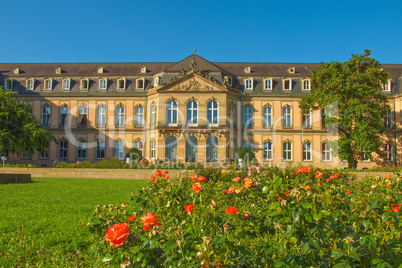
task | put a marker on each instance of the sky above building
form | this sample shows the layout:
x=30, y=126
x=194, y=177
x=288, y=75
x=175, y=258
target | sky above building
x=220, y=31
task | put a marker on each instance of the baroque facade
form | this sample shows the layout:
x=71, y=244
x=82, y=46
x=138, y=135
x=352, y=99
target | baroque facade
x=190, y=111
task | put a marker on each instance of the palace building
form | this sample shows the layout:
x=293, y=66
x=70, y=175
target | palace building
x=189, y=111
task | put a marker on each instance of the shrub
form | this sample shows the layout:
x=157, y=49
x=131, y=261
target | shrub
x=134, y=154
x=246, y=154
x=111, y=163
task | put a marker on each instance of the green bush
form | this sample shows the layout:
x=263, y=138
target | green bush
x=134, y=154
x=246, y=154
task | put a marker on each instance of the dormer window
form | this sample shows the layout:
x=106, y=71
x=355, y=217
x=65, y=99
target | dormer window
x=306, y=84
x=140, y=83
x=268, y=84
x=58, y=70
x=143, y=70
x=291, y=70
x=103, y=84
x=287, y=84
x=30, y=84
x=121, y=83
x=227, y=80
x=100, y=70
x=387, y=86
x=249, y=84
x=47, y=84
x=247, y=70
x=66, y=84
x=156, y=81
x=16, y=70
x=8, y=84
x=84, y=84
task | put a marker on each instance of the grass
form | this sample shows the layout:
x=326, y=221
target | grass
x=43, y=224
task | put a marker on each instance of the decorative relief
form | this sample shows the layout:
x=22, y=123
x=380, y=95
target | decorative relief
x=193, y=85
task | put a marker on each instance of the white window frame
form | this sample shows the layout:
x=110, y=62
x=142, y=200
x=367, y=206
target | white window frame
x=326, y=152
x=119, y=149
x=82, y=112
x=248, y=114
x=64, y=81
x=268, y=152
x=120, y=116
x=306, y=120
x=388, y=119
x=103, y=84
x=100, y=149
x=192, y=113
x=64, y=116
x=248, y=84
x=267, y=117
x=139, y=145
x=82, y=150
x=306, y=84
x=152, y=149
x=287, y=151
x=173, y=119
x=387, y=86
x=30, y=84
x=46, y=117
x=63, y=149
x=268, y=84
x=287, y=117
x=47, y=84
x=290, y=84
x=389, y=152
x=307, y=151
x=101, y=116
x=214, y=120
x=153, y=115
x=139, y=116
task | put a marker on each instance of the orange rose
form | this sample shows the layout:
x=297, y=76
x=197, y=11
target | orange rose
x=193, y=177
x=167, y=177
x=189, y=208
x=349, y=191
x=158, y=173
x=149, y=220
x=237, y=191
x=303, y=170
x=117, y=234
x=224, y=191
x=336, y=175
x=248, y=183
x=236, y=179
x=165, y=172
x=307, y=187
x=395, y=207
x=231, y=189
x=131, y=218
x=197, y=187
x=201, y=179
x=231, y=210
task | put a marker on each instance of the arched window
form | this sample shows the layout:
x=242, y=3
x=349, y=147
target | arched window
x=120, y=116
x=192, y=113
x=212, y=113
x=171, y=113
x=139, y=116
x=101, y=114
x=191, y=149
x=82, y=115
x=171, y=149
x=267, y=111
x=212, y=149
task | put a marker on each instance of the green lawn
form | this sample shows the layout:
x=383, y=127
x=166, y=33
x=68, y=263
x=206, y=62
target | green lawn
x=43, y=224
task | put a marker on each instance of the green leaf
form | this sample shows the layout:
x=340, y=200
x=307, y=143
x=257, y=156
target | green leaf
x=336, y=254
x=355, y=256
x=317, y=216
x=296, y=214
x=278, y=182
x=274, y=205
x=265, y=189
x=396, y=219
x=279, y=264
x=385, y=216
x=293, y=240
x=373, y=204
x=308, y=218
x=218, y=240
x=107, y=258
x=139, y=256
x=169, y=245
x=154, y=243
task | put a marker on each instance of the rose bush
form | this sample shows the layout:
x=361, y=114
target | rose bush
x=272, y=218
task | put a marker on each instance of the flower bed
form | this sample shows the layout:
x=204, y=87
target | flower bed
x=258, y=218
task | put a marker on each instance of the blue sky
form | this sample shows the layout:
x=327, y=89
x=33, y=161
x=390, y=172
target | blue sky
x=221, y=31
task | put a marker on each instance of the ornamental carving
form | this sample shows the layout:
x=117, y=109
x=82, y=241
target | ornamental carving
x=193, y=85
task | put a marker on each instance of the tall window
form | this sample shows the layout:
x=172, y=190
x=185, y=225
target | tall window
x=387, y=86
x=66, y=84
x=82, y=150
x=100, y=149
x=9, y=84
x=139, y=116
x=120, y=116
x=121, y=83
x=63, y=116
x=287, y=84
x=212, y=149
x=84, y=85
x=44, y=153
x=46, y=113
x=306, y=120
x=48, y=84
x=268, y=151
x=82, y=116
x=267, y=112
x=212, y=113
x=102, y=84
x=152, y=148
x=248, y=117
x=306, y=84
x=306, y=151
x=249, y=84
x=171, y=113
x=324, y=117
x=153, y=115
x=388, y=119
x=119, y=150
x=232, y=114
x=268, y=84
x=287, y=117
x=192, y=113
x=30, y=84
x=191, y=149
x=389, y=152
x=171, y=149
x=101, y=113
x=63, y=149
x=287, y=151
x=138, y=145
x=326, y=152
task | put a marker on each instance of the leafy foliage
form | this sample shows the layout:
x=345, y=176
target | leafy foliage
x=246, y=153
x=19, y=129
x=350, y=93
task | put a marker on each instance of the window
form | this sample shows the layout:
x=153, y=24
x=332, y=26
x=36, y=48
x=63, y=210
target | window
x=30, y=84
x=46, y=112
x=153, y=115
x=156, y=81
x=101, y=113
x=139, y=116
x=100, y=149
x=120, y=116
x=388, y=119
x=171, y=113
x=192, y=113
x=171, y=149
x=121, y=83
x=9, y=84
x=103, y=84
x=287, y=84
x=66, y=84
x=268, y=151
x=366, y=156
x=119, y=150
x=82, y=116
x=307, y=151
x=63, y=116
x=82, y=150
x=191, y=149
x=232, y=114
x=212, y=149
x=389, y=152
x=326, y=152
x=387, y=86
x=267, y=117
x=248, y=145
x=287, y=117
x=248, y=117
x=212, y=113
x=249, y=84
x=287, y=151
x=268, y=84
x=140, y=83
x=306, y=84
x=306, y=120
x=48, y=84
x=138, y=145
x=324, y=117
x=84, y=84
x=152, y=147
x=63, y=147
x=44, y=153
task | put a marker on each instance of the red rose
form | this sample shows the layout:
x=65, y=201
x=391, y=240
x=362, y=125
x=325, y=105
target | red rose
x=194, y=177
x=165, y=172
x=224, y=191
x=395, y=207
x=167, y=177
x=319, y=184
x=158, y=173
x=131, y=218
x=201, y=179
x=149, y=220
x=231, y=189
x=236, y=179
x=117, y=234
x=231, y=210
x=307, y=187
x=189, y=208
x=197, y=187
x=349, y=191
x=336, y=175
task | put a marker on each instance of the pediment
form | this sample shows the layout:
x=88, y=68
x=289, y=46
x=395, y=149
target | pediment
x=191, y=83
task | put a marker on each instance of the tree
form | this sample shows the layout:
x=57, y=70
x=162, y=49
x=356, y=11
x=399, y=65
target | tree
x=246, y=153
x=19, y=129
x=350, y=93
x=134, y=154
